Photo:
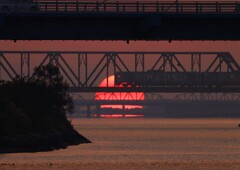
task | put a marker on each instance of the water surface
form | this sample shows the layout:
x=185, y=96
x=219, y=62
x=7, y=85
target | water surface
x=142, y=144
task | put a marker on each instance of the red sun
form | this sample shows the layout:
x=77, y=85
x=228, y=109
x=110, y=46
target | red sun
x=118, y=95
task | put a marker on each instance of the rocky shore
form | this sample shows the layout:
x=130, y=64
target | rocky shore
x=40, y=141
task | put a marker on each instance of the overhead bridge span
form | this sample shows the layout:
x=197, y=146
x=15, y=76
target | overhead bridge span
x=119, y=20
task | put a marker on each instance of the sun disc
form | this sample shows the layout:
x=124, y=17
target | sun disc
x=109, y=82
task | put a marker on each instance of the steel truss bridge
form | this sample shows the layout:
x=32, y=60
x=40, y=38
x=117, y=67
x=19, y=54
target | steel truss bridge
x=152, y=99
x=85, y=70
x=224, y=104
x=158, y=102
x=119, y=20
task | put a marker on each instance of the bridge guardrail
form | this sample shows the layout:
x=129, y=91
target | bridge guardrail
x=121, y=6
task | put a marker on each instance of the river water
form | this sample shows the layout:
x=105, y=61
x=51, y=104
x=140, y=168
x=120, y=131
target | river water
x=140, y=143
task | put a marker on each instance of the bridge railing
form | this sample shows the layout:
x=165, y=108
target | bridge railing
x=140, y=6
x=121, y=6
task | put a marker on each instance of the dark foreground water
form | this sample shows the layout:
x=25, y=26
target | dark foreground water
x=142, y=144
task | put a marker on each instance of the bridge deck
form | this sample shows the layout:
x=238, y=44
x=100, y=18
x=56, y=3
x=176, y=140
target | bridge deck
x=59, y=20
x=150, y=102
x=157, y=89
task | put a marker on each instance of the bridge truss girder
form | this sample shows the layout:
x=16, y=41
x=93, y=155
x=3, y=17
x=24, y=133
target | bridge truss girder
x=85, y=70
x=231, y=97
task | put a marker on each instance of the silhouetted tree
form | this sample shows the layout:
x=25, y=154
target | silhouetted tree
x=49, y=76
x=43, y=99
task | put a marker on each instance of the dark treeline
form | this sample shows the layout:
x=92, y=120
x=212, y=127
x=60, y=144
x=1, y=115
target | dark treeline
x=35, y=105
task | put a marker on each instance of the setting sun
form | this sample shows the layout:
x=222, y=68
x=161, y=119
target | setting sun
x=118, y=95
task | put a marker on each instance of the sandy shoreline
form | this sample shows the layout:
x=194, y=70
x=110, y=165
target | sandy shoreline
x=213, y=165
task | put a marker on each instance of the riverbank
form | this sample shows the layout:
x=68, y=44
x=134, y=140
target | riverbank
x=40, y=141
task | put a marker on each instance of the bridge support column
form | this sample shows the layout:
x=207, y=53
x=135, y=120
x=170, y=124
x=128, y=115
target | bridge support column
x=77, y=110
x=88, y=111
x=98, y=111
x=123, y=107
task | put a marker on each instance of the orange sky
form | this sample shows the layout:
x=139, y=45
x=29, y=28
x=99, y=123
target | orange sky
x=232, y=46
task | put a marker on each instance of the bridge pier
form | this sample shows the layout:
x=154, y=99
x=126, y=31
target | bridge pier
x=98, y=111
x=88, y=111
x=123, y=108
